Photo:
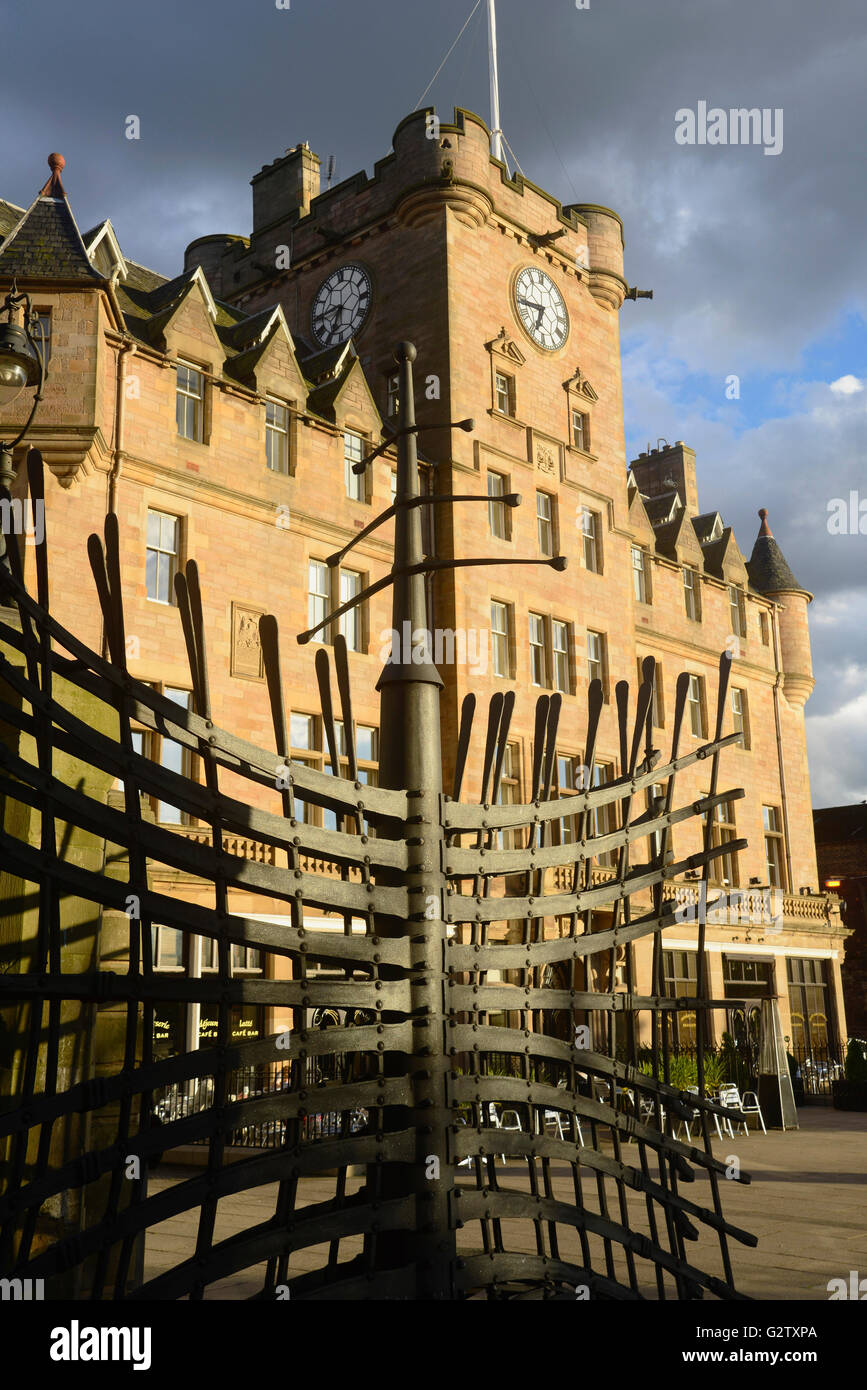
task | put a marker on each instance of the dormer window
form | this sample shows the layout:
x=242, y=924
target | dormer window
x=190, y=402
x=277, y=436
x=737, y=608
x=691, y=593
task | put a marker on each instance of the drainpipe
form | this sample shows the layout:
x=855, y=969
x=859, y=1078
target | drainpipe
x=778, y=683
x=127, y=347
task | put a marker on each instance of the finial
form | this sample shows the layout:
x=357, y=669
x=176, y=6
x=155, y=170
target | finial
x=764, y=529
x=54, y=188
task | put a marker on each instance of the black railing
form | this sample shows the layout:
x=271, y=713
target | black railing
x=246, y=1083
x=818, y=1067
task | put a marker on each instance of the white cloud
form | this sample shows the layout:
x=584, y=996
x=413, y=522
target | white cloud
x=847, y=385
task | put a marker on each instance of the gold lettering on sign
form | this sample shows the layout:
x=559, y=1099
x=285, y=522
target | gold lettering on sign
x=246, y=658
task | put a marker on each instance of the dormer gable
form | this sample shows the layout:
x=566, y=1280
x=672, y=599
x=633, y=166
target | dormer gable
x=103, y=249
x=186, y=326
x=270, y=365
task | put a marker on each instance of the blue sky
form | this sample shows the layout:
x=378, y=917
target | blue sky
x=756, y=262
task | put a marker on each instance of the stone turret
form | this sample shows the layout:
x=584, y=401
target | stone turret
x=770, y=574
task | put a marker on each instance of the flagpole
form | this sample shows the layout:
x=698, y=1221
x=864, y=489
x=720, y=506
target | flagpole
x=496, y=133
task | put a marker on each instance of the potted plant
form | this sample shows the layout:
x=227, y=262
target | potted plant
x=851, y=1093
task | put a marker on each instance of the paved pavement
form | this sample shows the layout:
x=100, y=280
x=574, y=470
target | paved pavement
x=807, y=1203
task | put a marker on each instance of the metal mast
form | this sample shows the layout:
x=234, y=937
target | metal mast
x=496, y=132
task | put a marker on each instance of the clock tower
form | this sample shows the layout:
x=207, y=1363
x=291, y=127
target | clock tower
x=511, y=300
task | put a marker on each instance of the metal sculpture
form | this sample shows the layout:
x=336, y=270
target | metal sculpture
x=453, y=988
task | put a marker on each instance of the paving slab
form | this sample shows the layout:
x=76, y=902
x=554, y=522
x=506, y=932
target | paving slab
x=806, y=1202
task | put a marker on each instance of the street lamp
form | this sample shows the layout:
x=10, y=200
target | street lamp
x=21, y=366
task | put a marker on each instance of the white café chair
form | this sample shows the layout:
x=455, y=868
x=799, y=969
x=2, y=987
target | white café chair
x=508, y=1120
x=748, y=1104
x=730, y=1098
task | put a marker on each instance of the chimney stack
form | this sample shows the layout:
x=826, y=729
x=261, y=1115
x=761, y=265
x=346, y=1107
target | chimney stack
x=285, y=187
x=660, y=470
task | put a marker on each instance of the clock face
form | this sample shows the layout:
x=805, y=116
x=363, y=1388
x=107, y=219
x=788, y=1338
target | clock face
x=541, y=308
x=341, y=305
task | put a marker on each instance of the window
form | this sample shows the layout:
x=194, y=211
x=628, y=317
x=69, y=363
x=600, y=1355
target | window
x=740, y=717
x=500, y=645
x=302, y=731
x=763, y=629
x=695, y=706
x=302, y=740
x=277, y=436
x=560, y=634
x=680, y=981
x=393, y=485
x=545, y=522
x=773, y=827
x=657, y=704
x=161, y=556
x=738, y=611
x=510, y=792
x=808, y=1003
x=725, y=869
x=351, y=622
x=538, y=652
x=580, y=430
x=592, y=548
x=42, y=334
x=596, y=659
x=496, y=509
x=747, y=979
x=393, y=395
x=504, y=393
x=640, y=577
x=691, y=593
x=353, y=452
x=167, y=944
x=190, y=402
x=318, y=597
x=169, y=754
x=568, y=781
x=310, y=747
x=245, y=959
x=605, y=817
x=656, y=806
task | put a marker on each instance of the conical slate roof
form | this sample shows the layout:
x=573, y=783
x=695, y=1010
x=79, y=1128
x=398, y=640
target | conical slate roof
x=46, y=244
x=767, y=566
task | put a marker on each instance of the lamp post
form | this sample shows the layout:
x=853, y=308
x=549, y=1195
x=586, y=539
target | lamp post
x=22, y=366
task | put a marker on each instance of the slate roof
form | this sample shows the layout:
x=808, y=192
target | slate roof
x=662, y=508
x=703, y=526
x=715, y=553
x=767, y=566
x=47, y=245
x=10, y=216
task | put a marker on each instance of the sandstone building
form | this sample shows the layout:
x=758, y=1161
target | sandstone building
x=218, y=413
